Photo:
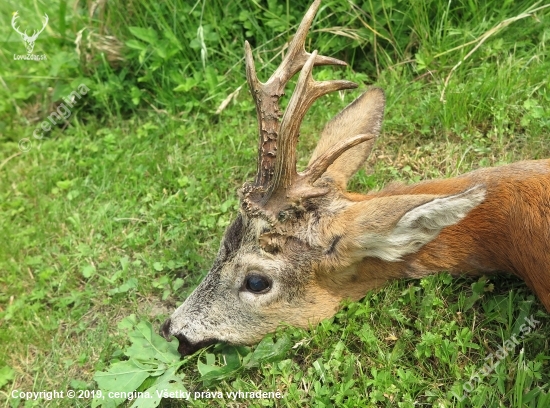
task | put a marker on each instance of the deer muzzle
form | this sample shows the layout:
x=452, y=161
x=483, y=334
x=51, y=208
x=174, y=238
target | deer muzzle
x=185, y=346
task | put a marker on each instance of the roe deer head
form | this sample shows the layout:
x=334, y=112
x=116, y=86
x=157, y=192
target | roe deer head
x=301, y=243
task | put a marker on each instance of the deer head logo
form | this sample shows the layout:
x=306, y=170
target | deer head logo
x=28, y=40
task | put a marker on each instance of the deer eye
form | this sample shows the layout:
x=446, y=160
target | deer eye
x=257, y=284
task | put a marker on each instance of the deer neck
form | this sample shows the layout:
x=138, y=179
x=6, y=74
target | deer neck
x=464, y=248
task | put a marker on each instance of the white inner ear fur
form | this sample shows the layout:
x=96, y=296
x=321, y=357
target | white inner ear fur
x=421, y=225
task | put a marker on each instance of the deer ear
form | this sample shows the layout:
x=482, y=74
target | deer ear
x=364, y=115
x=392, y=227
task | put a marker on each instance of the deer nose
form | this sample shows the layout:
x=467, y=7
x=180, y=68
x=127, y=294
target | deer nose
x=165, y=330
x=185, y=347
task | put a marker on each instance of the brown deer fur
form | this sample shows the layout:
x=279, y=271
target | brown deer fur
x=509, y=231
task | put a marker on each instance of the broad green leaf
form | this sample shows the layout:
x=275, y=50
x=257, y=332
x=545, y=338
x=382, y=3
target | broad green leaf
x=527, y=398
x=161, y=51
x=146, y=34
x=478, y=290
x=128, y=323
x=205, y=369
x=136, y=45
x=213, y=372
x=131, y=283
x=148, y=345
x=173, y=39
x=7, y=374
x=152, y=366
x=267, y=350
x=106, y=402
x=88, y=271
x=187, y=85
x=210, y=358
x=231, y=357
x=165, y=384
x=123, y=376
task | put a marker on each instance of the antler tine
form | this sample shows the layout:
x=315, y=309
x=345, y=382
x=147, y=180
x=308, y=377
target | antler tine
x=267, y=112
x=302, y=185
x=296, y=55
x=266, y=95
x=251, y=76
x=307, y=91
x=323, y=162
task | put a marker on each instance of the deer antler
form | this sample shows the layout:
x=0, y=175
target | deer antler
x=278, y=140
x=322, y=163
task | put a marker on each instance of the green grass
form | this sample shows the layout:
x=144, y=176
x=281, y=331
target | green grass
x=119, y=210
